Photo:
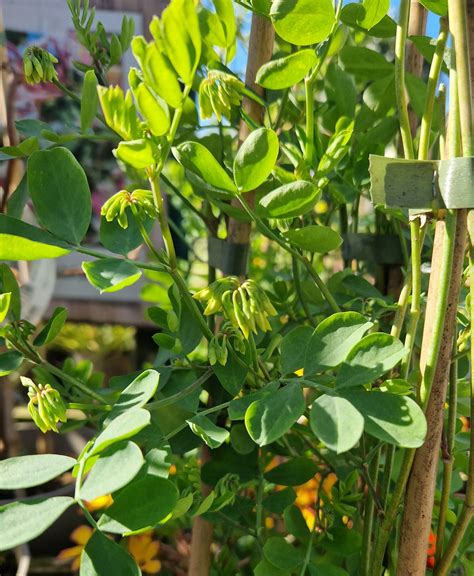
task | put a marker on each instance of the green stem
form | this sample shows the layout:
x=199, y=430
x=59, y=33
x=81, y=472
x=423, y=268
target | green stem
x=299, y=291
x=270, y=234
x=369, y=510
x=202, y=413
x=180, y=395
x=435, y=71
x=400, y=88
x=309, y=548
x=309, y=103
x=74, y=382
x=84, y=407
x=183, y=198
x=391, y=514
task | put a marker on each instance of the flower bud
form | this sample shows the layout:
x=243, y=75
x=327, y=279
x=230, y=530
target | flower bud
x=38, y=65
x=46, y=407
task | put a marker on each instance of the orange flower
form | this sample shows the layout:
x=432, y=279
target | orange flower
x=80, y=536
x=99, y=503
x=145, y=551
x=307, y=495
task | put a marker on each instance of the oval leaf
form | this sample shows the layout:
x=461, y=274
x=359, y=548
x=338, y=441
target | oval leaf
x=115, y=468
x=209, y=433
x=303, y=22
x=370, y=359
x=124, y=426
x=89, y=100
x=289, y=200
x=22, y=521
x=103, y=557
x=315, y=238
x=389, y=417
x=57, y=180
x=140, y=506
x=198, y=159
x=138, y=153
x=336, y=422
x=111, y=274
x=52, y=327
x=137, y=393
x=10, y=361
x=28, y=471
x=293, y=472
x=288, y=71
x=333, y=339
x=256, y=159
x=269, y=418
x=21, y=241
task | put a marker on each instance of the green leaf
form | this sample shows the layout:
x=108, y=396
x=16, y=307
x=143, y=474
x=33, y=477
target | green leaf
x=333, y=339
x=270, y=417
x=375, y=10
x=60, y=193
x=115, y=468
x=256, y=159
x=337, y=147
x=137, y=393
x=160, y=75
x=25, y=148
x=225, y=12
x=21, y=241
x=153, y=109
x=124, y=426
x=182, y=38
x=120, y=240
x=240, y=440
x=17, y=201
x=303, y=22
x=28, y=471
x=89, y=100
x=315, y=238
x=290, y=200
x=198, y=159
x=52, y=328
x=209, y=433
x=365, y=63
x=336, y=422
x=10, y=361
x=138, y=153
x=439, y=7
x=5, y=300
x=23, y=520
x=111, y=274
x=140, y=506
x=103, y=557
x=370, y=359
x=282, y=554
x=239, y=406
x=389, y=417
x=265, y=568
x=277, y=501
x=9, y=284
x=293, y=349
x=288, y=71
x=293, y=472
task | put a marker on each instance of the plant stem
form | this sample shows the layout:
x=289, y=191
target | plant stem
x=74, y=382
x=400, y=88
x=299, y=292
x=448, y=459
x=180, y=395
x=369, y=510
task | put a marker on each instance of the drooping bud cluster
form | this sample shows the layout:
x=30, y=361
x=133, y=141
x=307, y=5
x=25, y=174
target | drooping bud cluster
x=140, y=201
x=218, y=93
x=218, y=351
x=46, y=407
x=38, y=65
x=245, y=305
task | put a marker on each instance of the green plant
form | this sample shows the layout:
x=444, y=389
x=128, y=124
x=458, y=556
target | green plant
x=303, y=371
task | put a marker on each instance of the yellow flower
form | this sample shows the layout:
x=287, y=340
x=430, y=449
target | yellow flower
x=99, y=503
x=80, y=536
x=321, y=207
x=269, y=522
x=299, y=372
x=173, y=470
x=307, y=495
x=145, y=551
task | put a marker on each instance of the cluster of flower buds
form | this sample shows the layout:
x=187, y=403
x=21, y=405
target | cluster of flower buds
x=245, y=305
x=38, y=65
x=46, y=406
x=218, y=93
x=140, y=202
x=463, y=338
x=218, y=351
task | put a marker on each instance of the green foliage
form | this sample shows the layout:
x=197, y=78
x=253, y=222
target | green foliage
x=255, y=159
x=28, y=471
